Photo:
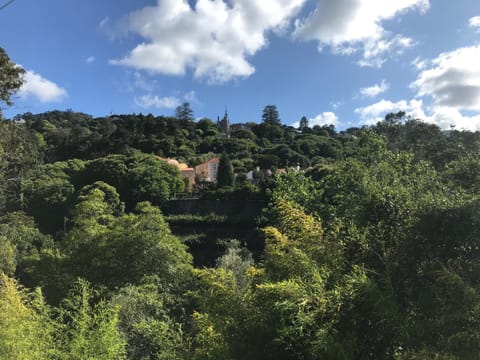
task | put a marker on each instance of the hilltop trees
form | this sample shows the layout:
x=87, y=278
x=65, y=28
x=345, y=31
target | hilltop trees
x=136, y=178
x=20, y=154
x=369, y=251
x=10, y=78
x=270, y=115
x=303, y=124
x=184, y=112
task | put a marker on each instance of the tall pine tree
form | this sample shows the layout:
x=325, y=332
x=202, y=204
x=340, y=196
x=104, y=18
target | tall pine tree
x=225, y=172
x=270, y=115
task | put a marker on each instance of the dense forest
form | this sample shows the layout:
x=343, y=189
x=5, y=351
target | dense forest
x=367, y=246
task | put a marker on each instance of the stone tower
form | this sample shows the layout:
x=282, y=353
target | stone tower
x=224, y=124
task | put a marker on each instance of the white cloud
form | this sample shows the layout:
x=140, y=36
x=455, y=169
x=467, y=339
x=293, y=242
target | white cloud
x=375, y=90
x=419, y=63
x=191, y=97
x=446, y=117
x=348, y=26
x=112, y=30
x=474, y=22
x=443, y=116
x=375, y=51
x=214, y=38
x=104, y=22
x=336, y=104
x=167, y=102
x=325, y=118
x=373, y=113
x=139, y=81
x=40, y=88
x=453, y=81
x=150, y=101
x=90, y=59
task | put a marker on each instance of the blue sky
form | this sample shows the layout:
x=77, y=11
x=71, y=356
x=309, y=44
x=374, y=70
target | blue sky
x=346, y=62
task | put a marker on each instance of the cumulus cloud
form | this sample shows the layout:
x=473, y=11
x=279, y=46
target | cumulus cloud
x=448, y=117
x=325, y=118
x=40, y=88
x=90, y=59
x=348, y=26
x=443, y=116
x=151, y=101
x=474, y=22
x=453, y=81
x=213, y=38
x=375, y=51
x=375, y=90
x=373, y=113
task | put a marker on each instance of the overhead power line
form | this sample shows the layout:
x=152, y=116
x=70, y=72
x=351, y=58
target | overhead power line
x=8, y=3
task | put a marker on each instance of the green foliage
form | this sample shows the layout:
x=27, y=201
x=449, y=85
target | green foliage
x=139, y=177
x=225, y=175
x=270, y=115
x=111, y=197
x=237, y=260
x=151, y=331
x=425, y=140
x=367, y=146
x=303, y=126
x=86, y=331
x=288, y=157
x=405, y=227
x=372, y=253
x=20, y=240
x=465, y=172
x=288, y=305
x=19, y=155
x=209, y=343
x=312, y=145
x=295, y=187
x=26, y=332
x=49, y=187
x=11, y=78
x=211, y=219
x=8, y=262
x=184, y=113
x=118, y=250
x=244, y=134
x=29, y=329
x=242, y=191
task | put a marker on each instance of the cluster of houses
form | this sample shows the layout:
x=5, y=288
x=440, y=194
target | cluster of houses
x=207, y=171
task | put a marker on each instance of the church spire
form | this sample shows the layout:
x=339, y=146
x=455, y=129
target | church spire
x=224, y=124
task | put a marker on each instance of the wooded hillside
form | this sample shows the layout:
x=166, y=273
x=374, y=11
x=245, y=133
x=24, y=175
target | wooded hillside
x=370, y=241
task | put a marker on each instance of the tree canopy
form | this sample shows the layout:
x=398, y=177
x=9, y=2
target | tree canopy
x=184, y=112
x=11, y=78
x=354, y=244
x=270, y=115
